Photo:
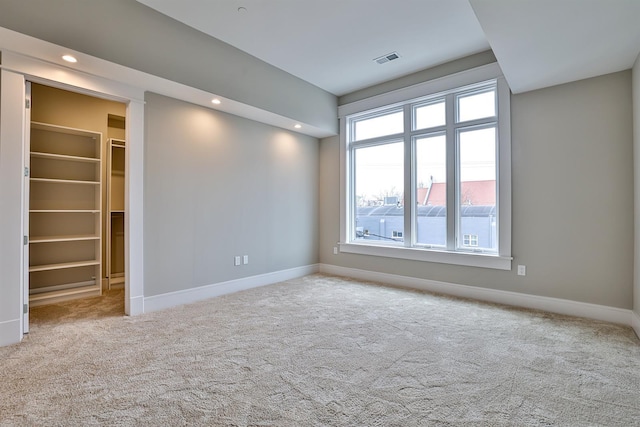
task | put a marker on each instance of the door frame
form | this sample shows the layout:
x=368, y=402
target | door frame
x=19, y=69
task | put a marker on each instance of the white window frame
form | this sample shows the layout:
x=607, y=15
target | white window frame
x=384, y=102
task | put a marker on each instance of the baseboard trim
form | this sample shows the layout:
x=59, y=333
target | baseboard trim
x=135, y=306
x=635, y=322
x=554, y=305
x=172, y=299
x=10, y=332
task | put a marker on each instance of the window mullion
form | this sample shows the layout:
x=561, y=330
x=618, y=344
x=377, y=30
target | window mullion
x=452, y=175
x=409, y=180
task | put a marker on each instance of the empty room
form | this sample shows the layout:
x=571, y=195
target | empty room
x=320, y=213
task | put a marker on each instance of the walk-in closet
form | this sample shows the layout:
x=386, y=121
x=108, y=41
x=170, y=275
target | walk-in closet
x=76, y=195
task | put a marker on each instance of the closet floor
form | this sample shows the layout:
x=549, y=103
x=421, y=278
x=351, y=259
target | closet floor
x=110, y=304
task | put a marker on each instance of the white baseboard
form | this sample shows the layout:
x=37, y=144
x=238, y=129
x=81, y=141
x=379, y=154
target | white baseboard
x=135, y=306
x=171, y=299
x=554, y=305
x=635, y=322
x=10, y=332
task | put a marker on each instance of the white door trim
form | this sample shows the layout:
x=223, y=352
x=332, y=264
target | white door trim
x=57, y=76
x=11, y=206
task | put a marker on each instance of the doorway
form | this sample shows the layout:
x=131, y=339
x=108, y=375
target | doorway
x=75, y=198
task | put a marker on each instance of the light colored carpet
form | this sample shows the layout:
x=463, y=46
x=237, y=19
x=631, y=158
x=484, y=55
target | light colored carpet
x=323, y=351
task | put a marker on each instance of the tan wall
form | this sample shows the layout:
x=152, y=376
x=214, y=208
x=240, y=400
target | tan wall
x=64, y=108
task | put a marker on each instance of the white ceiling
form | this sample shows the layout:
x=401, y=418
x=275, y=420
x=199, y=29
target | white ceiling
x=541, y=43
x=333, y=43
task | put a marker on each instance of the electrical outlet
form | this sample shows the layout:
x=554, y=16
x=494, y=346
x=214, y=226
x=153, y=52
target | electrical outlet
x=236, y=260
x=335, y=250
x=522, y=270
x=245, y=259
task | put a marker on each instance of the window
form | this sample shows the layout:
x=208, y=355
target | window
x=427, y=176
x=470, y=240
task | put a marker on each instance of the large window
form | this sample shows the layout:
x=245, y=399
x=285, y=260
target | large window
x=428, y=178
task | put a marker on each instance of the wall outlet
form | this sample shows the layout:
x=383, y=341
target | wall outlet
x=236, y=260
x=245, y=259
x=335, y=250
x=522, y=270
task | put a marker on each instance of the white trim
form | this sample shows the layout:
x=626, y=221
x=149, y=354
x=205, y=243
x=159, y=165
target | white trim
x=504, y=167
x=134, y=210
x=406, y=94
x=475, y=77
x=12, y=182
x=429, y=255
x=553, y=305
x=10, y=332
x=187, y=296
x=136, y=305
x=635, y=322
x=83, y=81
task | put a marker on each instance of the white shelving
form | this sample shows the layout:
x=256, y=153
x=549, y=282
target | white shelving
x=63, y=238
x=63, y=265
x=65, y=206
x=35, y=154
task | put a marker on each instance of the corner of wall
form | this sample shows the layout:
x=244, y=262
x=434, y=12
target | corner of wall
x=635, y=322
x=635, y=88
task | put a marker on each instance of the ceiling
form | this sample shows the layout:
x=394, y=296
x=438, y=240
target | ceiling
x=333, y=44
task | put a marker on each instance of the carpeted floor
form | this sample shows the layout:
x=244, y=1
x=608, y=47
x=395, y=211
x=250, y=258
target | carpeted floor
x=322, y=351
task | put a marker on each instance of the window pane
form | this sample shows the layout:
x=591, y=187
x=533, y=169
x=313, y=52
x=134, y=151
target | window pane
x=477, y=106
x=379, y=186
x=389, y=124
x=431, y=191
x=477, y=189
x=428, y=116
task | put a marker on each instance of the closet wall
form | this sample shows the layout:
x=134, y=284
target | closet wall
x=62, y=108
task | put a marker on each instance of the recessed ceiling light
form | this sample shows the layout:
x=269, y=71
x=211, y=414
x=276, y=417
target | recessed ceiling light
x=297, y=126
x=242, y=9
x=215, y=101
x=70, y=58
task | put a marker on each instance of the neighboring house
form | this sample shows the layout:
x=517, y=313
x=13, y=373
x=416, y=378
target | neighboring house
x=472, y=193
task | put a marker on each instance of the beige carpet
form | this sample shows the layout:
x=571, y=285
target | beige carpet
x=322, y=351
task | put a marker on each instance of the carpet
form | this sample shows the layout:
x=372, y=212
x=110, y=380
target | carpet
x=322, y=351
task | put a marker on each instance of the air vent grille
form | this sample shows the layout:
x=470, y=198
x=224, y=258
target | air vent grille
x=388, y=57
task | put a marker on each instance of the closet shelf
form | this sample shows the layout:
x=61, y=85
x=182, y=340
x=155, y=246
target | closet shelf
x=64, y=211
x=63, y=265
x=64, y=157
x=64, y=181
x=65, y=200
x=65, y=238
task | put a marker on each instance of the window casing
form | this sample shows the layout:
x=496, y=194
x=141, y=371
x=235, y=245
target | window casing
x=428, y=177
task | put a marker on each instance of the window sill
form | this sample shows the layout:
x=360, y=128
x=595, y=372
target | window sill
x=429, y=255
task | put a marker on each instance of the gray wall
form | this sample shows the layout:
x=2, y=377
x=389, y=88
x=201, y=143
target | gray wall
x=217, y=186
x=131, y=34
x=572, y=180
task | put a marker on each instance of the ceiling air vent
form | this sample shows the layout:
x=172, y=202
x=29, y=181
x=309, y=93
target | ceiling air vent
x=388, y=57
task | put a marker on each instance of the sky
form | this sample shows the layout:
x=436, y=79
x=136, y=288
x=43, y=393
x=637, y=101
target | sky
x=379, y=169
